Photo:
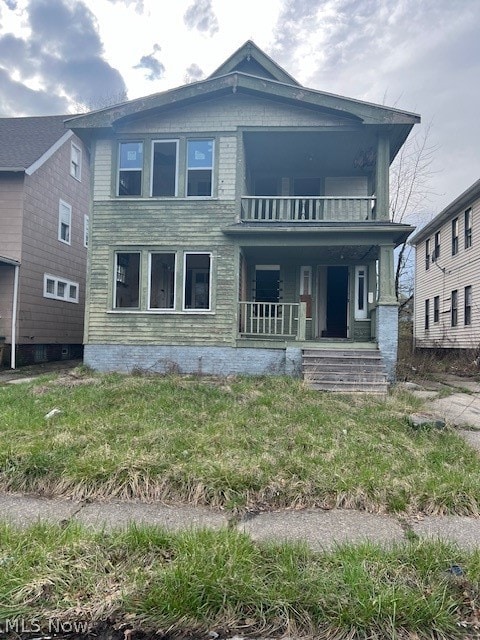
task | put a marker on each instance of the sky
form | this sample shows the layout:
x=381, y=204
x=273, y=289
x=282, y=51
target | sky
x=68, y=56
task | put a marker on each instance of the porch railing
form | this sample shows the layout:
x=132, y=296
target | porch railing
x=307, y=209
x=273, y=319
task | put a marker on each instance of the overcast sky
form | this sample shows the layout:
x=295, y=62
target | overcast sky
x=417, y=55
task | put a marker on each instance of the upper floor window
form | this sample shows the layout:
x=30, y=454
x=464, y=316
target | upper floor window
x=76, y=162
x=130, y=168
x=454, y=236
x=127, y=280
x=200, y=167
x=468, y=228
x=454, y=308
x=164, y=168
x=427, y=253
x=436, y=249
x=64, y=222
x=467, y=316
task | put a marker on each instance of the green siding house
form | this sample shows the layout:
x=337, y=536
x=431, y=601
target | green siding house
x=238, y=222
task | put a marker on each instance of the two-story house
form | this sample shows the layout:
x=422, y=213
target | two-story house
x=44, y=213
x=447, y=287
x=240, y=221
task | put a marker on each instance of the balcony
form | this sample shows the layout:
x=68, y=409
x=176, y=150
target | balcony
x=307, y=209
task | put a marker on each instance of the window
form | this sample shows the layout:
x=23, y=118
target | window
x=196, y=278
x=427, y=253
x=305, y=281
x=164, y=168
x=436, y=250
x=60, y=288
x=454, y=236
x=127, y=280
x=76, y=162
x=360, y=293
x=130, y=168
x=436, y=309
x=86, y=221
x=427, y=315
x=468, y=228
x=454, y=308
x=467, y=316
x=199, y=167
x=162, y=281
x=64, y=222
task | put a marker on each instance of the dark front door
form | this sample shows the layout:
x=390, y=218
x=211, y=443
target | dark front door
x=337, y=302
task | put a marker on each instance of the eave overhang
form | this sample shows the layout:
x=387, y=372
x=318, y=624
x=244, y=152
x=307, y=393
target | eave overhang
x=9, y=261
x=307, y=234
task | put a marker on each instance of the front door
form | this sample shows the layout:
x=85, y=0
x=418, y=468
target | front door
x=332, y=302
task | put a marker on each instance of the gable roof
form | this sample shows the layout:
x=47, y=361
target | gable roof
x=253, y=61
x=26, y=140
x=463, y=201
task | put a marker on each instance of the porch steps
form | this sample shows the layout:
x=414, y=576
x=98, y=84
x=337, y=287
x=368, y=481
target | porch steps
x=344, y=370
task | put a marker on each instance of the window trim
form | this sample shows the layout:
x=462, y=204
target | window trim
x=61, y=204
x=142, y=168
x=68, y=284
x=184, y=281
x=361, y=313
x=454, y=308
x=436, y=246
x=436, y=309
x=467, y=233
x=427, y=314
x=455, y=236
x=177, y=165
x=149, y=285
x=467, y=308
x=306, y=276
x=115, y=279
x=427, y=254
x=212, y=168
x=76, y=174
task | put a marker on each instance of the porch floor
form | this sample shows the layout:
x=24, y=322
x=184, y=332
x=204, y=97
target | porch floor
x=320, y=343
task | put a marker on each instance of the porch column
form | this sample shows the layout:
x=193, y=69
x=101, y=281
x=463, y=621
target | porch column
x=387, y=311
x=382, y=178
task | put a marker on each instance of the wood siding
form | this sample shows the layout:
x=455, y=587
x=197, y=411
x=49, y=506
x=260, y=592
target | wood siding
x=449, y=273
x=42, y=320
x=11, y=219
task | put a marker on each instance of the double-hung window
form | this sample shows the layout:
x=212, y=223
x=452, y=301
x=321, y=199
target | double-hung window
x=127, y=280
x=200, y=167
x=427, y=253
x=467, y=312
x=197, y=281
x=64, y=222
x=164, y=168
x=468, y=227
x=76, y=162
x=436, y=309
x=436, y=250
x=427, y=315
x=162, y=267
x=454, y=308
x=454, y=236
x=130, y=168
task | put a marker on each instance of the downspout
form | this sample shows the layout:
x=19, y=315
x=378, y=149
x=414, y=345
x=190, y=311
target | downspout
x=13, y=347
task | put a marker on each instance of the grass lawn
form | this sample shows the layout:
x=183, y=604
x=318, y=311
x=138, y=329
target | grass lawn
x=240, y=443
x=203, y=581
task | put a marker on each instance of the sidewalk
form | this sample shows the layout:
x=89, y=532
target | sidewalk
x=320, y=529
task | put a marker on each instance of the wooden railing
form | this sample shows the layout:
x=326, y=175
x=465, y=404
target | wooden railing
x=273, y=319
x=307, y=209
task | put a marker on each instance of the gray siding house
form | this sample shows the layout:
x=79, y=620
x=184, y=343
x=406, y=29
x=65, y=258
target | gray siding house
x=44, y=214
x=447, y=286
x=241, y=225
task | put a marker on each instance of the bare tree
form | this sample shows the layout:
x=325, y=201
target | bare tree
x=410, y=191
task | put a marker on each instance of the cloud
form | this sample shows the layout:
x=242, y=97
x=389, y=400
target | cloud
x=63, y=55
x=138, y=4
x=154, y=67
x=201, y=16
x=11, y=4
x=193, y=73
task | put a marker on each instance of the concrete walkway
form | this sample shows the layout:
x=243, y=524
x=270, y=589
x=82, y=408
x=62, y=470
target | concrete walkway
x=320, y=529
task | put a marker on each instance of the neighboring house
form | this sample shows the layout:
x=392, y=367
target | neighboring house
x=44, y=207
x=447, y=285
x=239, y=220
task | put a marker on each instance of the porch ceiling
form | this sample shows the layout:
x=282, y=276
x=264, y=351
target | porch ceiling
x=317, y=255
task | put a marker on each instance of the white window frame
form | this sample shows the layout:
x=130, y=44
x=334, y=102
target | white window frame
x=86, y=223
x=139, y=169
x=154, y=142
x=67, y=284
x=212, y=168
x=62, y=205
x=163, y=309
x=184, y=281
x=306, y=276
x=361, y=314
x=76, y=167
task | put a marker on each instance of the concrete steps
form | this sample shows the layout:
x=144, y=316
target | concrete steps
x=345, y=370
